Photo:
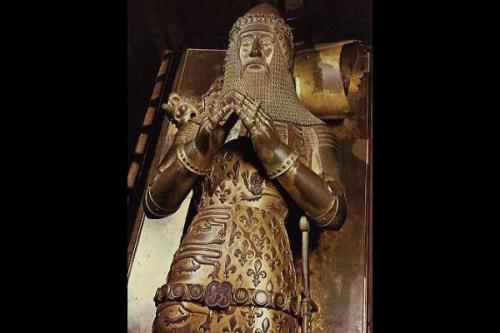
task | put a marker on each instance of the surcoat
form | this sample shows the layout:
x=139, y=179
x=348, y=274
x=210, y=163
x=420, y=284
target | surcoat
x=234, y=267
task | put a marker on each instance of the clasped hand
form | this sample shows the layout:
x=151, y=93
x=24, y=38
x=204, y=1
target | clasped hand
x=259, y=124
x=212, y=132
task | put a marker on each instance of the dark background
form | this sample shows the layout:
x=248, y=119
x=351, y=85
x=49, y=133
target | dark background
x=434, y=149
x=156, y=25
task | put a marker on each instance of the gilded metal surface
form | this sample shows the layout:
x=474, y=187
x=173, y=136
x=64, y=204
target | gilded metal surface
x=188, y=317
x=239, y=236
x=275, y=90
x=236, y=251
x=151, y=252
x=266, y=16
x=327, y=75
x=181, y=108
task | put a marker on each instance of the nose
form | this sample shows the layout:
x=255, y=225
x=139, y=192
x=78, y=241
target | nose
x=256, y=49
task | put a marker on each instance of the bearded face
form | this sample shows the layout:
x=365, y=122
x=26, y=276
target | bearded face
x=258, y=64
x=256, y=50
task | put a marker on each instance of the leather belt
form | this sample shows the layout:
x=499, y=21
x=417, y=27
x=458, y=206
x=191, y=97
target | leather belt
x=220, y=295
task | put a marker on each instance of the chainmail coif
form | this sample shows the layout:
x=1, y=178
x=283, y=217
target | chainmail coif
x=276, y=90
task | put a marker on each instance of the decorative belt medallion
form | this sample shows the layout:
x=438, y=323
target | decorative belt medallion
x=241, y=296
x=218, y=295
x=177, y=290
x=196, y=292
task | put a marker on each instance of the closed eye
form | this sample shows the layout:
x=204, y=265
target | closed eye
x=246, y=41
x=266, y=41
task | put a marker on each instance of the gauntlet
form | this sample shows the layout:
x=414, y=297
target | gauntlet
x=187, y=160
x=323, y=201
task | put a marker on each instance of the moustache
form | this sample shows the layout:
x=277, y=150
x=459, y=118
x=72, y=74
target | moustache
x=258, y=61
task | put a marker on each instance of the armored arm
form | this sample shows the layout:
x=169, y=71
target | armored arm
x=322, y=197
x=173, y=181
x=191, y=156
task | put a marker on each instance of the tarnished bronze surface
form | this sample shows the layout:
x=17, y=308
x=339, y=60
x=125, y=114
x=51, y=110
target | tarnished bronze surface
x=337, y=259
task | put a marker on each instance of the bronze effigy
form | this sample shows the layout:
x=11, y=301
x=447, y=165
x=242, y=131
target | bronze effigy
x=251, y=153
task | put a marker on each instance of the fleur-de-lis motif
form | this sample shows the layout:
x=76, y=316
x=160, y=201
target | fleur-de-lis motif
x=257, y=273
x=277, y=209
x=217, y=172
x=234, y=234
x=228, y=268
x=251, y=315
x=249, y=219
x=253, y=182
x=275, y=227
x=222, y=192
x=284, y=248
x=261, y=240
x=272, y=259
x=233, y=327
x=265, y=327
x=244, y=253
x=280, y=321
x=234, y=173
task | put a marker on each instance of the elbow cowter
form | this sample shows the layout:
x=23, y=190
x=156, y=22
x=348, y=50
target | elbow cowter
x=333, y=217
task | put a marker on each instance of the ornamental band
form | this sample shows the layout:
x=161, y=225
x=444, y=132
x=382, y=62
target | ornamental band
x=253, y=154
